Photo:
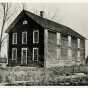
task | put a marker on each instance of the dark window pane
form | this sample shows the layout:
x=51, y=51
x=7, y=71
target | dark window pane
x=36, y=36
x=35, y=54
x=14, y=53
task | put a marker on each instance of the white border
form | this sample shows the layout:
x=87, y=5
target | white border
x=45, y=1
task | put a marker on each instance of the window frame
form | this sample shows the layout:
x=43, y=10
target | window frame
x=37, y=54
x=13, y=38
x=22, y=54
x=69, y=41
x=23, y=37
x=78, y=41
x=25, y=22
x=58, y=38
x=12, y=53
x=34, y=37
x=78, y=55
x=58, y=53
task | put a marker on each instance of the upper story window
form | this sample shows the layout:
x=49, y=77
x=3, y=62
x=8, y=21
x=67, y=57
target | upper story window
x=25, y=22
x=24, y=37
x=14, y=38
x=36, y=36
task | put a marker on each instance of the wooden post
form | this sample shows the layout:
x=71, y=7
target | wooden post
x=45, y=46
x=45, y=53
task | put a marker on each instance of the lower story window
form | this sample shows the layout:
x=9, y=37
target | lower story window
x=78, y=56
x=35, y=54
x=14, y=53
x=24, y=56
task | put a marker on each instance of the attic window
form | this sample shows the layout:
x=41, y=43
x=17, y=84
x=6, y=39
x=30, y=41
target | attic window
x=25, y=22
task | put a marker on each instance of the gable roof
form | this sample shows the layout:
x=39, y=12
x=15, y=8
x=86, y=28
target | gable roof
x=46, y=24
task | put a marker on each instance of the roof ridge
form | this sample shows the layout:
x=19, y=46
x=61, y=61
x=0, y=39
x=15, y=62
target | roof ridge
x=47, y=23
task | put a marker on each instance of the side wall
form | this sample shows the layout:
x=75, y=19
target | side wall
x=66, y=58
x=82, y=51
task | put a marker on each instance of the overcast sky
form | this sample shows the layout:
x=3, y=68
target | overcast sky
x=74, y=15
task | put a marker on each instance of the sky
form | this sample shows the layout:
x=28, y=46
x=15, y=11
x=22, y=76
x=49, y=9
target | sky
x=73, y=15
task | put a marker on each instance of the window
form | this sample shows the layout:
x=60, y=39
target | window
x=24, y=37
x=58, y=53
x=24, y=56
x=58, y=39
x=36, y=36
x=14, y=38
x=35, y=54
x=25, y=22
x=58, y=43
x=14, y=53
x=69, y=40
x=78, y=43
x=78, y=55
x=69, y=53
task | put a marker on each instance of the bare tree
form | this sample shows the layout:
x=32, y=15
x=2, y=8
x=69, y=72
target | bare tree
x=5, y=17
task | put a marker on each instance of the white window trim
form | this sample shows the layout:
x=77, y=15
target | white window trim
x=58, y=38
x=58, y=53
x=37, y=54
x=70, y=53
x=12, y=53
x=78, y=55
x=22, y=54
x=69, y=40
x=23, y=36
x=13, y=35
x=33, y=36
x=78, y=42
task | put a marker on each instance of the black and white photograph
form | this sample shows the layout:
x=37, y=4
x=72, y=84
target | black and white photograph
x=43, y=44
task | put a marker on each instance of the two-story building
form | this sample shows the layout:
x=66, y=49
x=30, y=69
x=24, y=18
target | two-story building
x=37, y=41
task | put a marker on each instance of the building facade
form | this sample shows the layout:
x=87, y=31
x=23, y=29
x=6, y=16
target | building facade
x=37, y=41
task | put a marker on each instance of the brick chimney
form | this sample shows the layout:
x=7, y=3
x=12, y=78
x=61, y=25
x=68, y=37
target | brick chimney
x=42, y=14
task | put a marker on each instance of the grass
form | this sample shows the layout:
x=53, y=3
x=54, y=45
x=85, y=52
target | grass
x=37, y=76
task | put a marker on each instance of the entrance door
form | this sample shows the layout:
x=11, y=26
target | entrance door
x=24, y=56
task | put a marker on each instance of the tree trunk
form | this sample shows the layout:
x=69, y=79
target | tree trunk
x=0, y=49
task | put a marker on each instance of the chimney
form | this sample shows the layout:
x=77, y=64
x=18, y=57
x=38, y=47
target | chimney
x=42, y=14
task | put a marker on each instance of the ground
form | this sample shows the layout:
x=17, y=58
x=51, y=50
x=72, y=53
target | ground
x=73, y=75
